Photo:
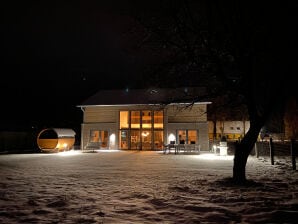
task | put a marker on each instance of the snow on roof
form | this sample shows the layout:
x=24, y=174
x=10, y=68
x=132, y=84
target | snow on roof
x=64, y=132
x=144, y=96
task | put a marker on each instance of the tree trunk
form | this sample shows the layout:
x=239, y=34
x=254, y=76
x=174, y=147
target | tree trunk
x=242, y=151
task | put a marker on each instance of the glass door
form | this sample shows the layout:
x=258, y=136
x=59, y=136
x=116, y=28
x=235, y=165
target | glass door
x=146, y=139
x=135, y=140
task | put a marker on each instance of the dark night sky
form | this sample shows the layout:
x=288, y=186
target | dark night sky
x=55, y=54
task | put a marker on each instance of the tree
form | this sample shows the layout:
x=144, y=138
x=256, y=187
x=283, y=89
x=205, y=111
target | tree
x=291, y=119
x=234, y=48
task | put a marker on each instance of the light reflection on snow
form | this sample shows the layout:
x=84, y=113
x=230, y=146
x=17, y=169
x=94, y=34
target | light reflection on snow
x=107, y=150
x=212, y=156
x=69, y=153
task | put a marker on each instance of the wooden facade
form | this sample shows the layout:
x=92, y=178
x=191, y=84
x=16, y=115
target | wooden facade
x=176, y=117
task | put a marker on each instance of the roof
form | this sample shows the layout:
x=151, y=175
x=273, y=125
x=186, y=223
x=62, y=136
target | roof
x=144, y=96
x=59, y=132
x=64, y=132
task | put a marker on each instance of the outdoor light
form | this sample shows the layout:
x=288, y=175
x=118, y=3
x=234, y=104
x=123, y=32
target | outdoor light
x=112, y=141
x=172, y=137
x=112, y=137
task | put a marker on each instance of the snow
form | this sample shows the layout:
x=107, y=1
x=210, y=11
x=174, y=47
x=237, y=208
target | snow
x=143, y=187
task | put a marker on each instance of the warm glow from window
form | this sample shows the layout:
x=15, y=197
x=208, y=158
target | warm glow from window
x=158, y=119
x=192, y=136
x=135, y=119
x=141, y=129
x=146, y=118
x=124, y=121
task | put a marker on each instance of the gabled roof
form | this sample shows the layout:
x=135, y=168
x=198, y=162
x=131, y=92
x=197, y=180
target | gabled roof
x=144, y=96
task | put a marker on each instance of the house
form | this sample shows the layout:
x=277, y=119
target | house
x=144, y=119
x=231, y=130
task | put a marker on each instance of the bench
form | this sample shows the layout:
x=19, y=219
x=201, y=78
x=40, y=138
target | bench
x=91, y=146
x=192, y=148
x=186, y=148
x=168, y=148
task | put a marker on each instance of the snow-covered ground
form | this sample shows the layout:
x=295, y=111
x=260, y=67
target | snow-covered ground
x=143, y=187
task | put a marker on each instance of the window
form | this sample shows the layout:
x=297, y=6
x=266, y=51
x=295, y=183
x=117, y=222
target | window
x=192, y=136
x=124, y=119
x=135, y=118
x=146, y=119
x=141, y=129
x=187, y=136
x=100, y=136
x=158, y=119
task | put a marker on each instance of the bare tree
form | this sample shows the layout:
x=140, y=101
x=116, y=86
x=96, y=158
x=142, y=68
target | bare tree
x=236, y=49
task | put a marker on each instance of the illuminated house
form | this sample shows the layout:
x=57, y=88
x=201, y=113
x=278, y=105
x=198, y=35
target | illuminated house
x=144, y=119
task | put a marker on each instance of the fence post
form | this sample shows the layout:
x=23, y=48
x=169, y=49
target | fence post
x=293, y=154
x=256, y=150
x=271, y=146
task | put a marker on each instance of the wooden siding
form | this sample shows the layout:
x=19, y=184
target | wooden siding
x=100, y=114
x=181, y=114
x=110, y=113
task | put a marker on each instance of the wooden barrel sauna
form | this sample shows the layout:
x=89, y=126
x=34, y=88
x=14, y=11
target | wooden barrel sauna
x=56, y=139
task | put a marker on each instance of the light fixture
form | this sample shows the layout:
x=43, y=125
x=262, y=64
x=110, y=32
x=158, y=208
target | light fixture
x=145, y=133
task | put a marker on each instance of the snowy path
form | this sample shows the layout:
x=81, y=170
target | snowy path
x=142, y=187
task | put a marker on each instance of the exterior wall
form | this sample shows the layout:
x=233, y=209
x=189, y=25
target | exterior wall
x=104, y=118
x=175, y=117
x=87, y=127
x=180, y=114
x=201, y=127
x=178, y=117
x=101, y=114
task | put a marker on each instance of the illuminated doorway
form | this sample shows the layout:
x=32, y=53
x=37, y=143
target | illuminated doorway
x=135, y=139
x=141, y=129
x=187, y=136
x=146, y=140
